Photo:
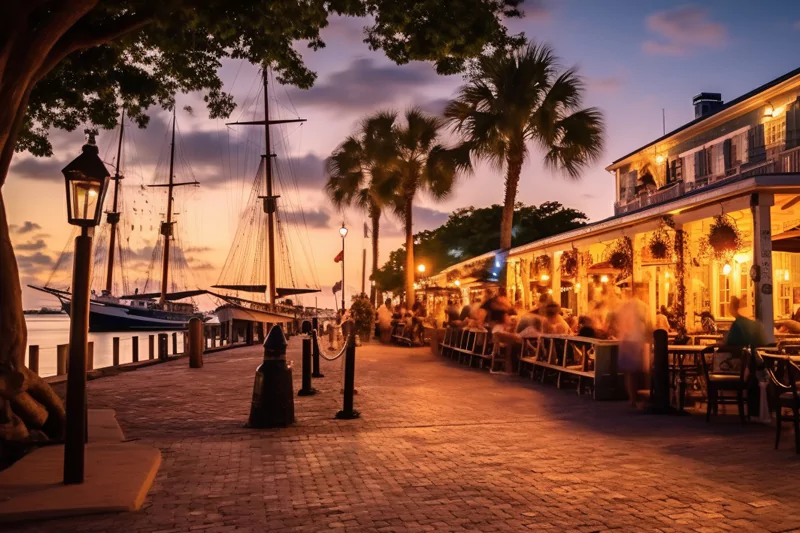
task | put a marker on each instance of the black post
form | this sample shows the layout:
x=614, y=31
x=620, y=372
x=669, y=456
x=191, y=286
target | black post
x=660, y=374
x=347, y=411
x=307, y=389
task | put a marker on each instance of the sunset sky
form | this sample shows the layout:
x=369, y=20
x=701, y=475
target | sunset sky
x=637, y=57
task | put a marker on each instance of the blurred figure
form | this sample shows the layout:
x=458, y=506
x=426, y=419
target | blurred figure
x=586, y=327
x=452, y=314
x=662, y=319
x=418, y=314
x=572, y=322
x=497, y=310
x=554, y=323
x=633, y=331
x=385, y=321
x=744, y=331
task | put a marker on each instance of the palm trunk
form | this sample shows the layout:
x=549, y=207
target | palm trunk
x=514, y=164
x=409, y=252
x=375, y=216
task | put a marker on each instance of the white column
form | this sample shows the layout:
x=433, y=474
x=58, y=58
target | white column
x=762, y=256
x=555, y=277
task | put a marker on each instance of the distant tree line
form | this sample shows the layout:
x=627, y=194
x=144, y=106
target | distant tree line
x=472, y=231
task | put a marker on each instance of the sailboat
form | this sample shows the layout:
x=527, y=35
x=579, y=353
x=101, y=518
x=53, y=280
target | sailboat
x=145, y=311
x=244, y=255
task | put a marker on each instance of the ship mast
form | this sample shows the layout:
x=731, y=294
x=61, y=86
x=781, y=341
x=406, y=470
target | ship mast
x=113, y=216
x=167, y=226
x=270, y=200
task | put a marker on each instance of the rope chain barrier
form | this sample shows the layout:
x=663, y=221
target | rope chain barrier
x=322, y=349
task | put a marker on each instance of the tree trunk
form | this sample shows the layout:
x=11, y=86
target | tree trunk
x=409, y=251
x=514, y=164
x=13, y=333
x=375, y=216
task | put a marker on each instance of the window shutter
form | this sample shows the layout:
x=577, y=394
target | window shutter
x=793, y=124
x=699, y=163
x=755, y=142
x=727, y=152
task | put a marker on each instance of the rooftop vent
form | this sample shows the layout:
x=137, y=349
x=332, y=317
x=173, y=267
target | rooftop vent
x=706, y=104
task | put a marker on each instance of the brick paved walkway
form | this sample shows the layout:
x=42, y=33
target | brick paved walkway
x=438, y=448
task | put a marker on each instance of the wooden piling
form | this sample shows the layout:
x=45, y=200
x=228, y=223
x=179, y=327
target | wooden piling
x=115, y=351
x=135, y=349
x=90, y=357
x=174, y=343
x=33, y=358
x=62, y=350
x=152, y=348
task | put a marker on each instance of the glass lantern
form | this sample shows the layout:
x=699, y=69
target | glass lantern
x=87, y=181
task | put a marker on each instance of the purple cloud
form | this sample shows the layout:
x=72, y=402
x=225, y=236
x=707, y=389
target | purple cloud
x=27, y=227
x=682, y=30
x=31, y=246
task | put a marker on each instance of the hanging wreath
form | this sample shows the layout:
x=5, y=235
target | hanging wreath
x=620, y=255
x=660, y=243
x=454, y=275
x=723, y=239
x=569, y=263
x=541, y=265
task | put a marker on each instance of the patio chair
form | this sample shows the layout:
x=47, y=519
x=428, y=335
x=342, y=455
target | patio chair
x=726, y=373
x=785, y=396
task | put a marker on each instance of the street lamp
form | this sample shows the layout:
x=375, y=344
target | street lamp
x=343, y=233
x=86, y=179
x=421, y=269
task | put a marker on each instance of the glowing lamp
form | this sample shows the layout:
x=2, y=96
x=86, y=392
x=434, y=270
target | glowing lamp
x=549, y=291
x=786, y=275
x=86, y=179
x=726, y=269
x=659, y=159
x=421, y=269
x=457, y=283
x=545, y=277
x=603, y=279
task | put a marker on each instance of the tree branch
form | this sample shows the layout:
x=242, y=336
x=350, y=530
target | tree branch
x=76, y=39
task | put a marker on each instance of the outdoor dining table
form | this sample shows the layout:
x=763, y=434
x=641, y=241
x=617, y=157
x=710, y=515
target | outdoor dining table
x=678, y=353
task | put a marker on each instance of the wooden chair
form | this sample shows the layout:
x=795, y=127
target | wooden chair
x=726, y=373
x=785, y=396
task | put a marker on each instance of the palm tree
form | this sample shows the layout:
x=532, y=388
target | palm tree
x=523, y=97
x=421, y=163
x=355, y=171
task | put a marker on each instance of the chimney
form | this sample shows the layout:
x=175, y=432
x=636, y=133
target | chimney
x=706, y=104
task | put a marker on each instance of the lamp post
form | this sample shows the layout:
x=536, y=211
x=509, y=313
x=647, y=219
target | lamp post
x=86, y=184
x=343, y=233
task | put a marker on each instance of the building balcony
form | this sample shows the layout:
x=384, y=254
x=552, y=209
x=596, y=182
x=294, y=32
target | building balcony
x=786, y=161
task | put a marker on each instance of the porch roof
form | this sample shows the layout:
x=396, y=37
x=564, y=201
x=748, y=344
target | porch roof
x=689, y=202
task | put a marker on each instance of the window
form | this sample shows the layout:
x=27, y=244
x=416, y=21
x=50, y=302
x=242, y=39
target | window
x=724, y=294
x=627, y=185
x=775, y=131
x=688, y=167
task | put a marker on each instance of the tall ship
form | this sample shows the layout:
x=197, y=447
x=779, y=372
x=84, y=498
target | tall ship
x=263, y=278
x=136, y=310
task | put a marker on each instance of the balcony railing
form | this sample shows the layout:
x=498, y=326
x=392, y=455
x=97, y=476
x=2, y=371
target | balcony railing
x=787, y=161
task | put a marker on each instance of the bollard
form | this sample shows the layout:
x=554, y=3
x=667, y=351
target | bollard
x=196, y=343
x=306, y=327
x=174, y=343
x=315, y=373
x=62, y=350
x=213, y=332
x=273, y=397
x=307, y=389
x=151, y=346
x=162, y=346
x=659, y=390
x=90, y=356
x=347, y=411
x=33, y=359
x=115, y=351
x=135, y=349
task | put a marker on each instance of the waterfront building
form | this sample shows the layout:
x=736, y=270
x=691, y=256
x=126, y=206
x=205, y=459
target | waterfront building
x=709, y=211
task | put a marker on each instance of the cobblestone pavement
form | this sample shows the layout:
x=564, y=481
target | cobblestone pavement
x=439, y=447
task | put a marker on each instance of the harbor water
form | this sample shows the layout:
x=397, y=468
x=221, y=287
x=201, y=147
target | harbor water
x=48, y=331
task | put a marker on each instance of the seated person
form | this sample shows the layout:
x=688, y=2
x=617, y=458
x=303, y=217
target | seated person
x=744, y=331
x=586, y=327
x=662, y=319
x=554, y=323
